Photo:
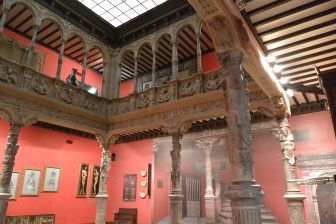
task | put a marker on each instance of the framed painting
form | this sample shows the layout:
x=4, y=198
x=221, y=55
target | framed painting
x=146, y=85
x=13, y=185
x=83, y=180
x=51, y=179
x=95, y=181
x=31, y=182
x=130, y=184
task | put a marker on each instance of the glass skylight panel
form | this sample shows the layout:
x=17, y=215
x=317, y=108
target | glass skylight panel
x=118, y=12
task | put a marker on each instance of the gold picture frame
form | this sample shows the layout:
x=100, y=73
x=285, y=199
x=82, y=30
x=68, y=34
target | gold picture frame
x=51, y=179
x=83, y=180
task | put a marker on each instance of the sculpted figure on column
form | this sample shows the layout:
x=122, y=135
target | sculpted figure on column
x=176, y=129
x=105, y=163
x=293, y=194
x=17, y=119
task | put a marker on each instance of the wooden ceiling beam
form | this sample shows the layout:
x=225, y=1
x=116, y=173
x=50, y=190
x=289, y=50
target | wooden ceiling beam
x=314, y=62
x=303, y=41
x=308, y=56
x=310, y=70
x=295, y=100
x=50, y=34
x=305, y=89
x=266, y=7
x=298, y=22
x=8, y=23
x=23, y=22
x=305, y=97
x=289, y=12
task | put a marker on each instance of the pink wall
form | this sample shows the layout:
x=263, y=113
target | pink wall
x=126, y=88
x=40, y=148
x=51, y=60
x=131, y=158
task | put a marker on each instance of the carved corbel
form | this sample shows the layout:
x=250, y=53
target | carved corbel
x=17, y=116
x=179, y=127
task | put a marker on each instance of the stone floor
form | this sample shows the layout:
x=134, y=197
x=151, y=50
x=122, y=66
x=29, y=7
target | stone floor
x=186, y=220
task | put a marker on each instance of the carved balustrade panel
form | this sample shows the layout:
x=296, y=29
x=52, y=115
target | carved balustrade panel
x=27, y=79
x=190, y=86
x=213, y=81
x=145, y=99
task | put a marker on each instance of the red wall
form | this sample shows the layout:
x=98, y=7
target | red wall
x=40, y=148
x=131, y=158
x=51, y=60
x=210, y=62
x=126, y=88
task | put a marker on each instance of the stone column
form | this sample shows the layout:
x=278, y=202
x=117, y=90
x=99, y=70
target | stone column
x=7, y=170
x=245, y=195
x=31, y=48
x=176, y=196
x=105, y=164
x=84, y=68
x=293, y=194
x=135, y=88
x=3, y=18
x=154, y=68
x=174, y=59
x=60, y=60
x=206, y=145
x=111, y=75
x=199, y=51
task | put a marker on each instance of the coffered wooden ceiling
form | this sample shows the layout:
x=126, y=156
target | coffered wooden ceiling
x=300, y=34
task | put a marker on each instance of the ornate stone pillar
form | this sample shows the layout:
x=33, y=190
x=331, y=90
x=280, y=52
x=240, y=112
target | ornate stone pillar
x=3, y=18
x=60, y=60
x=154, y=68
x=198, y=51
x=7, y=170
x=206, y=145
x=174, y=59
x=176, y=129
x=105, y=164
x=31, y=48
x=84, y=68
x=135, y=88
x=245, y=195
x=112, y=74
x=293, y=194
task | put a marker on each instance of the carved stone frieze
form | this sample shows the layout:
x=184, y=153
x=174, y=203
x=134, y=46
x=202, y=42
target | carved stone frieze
x=190, y=87
x=8, y=75
x=213, y=81
x=145, y=99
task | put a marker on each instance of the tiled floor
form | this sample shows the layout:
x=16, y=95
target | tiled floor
x=186, y=220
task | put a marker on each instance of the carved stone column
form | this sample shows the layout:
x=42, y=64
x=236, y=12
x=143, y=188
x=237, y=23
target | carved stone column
x=105, y=164
x=293, y=194
x=176, y=129
x=135, y=88
x=8, y=164
x=206, y=145
x=31, y=49
x=60, y=60
x=174, y=59
x=199, y=51
x=245, y=195
x=112, y=74
x=84, y=67
x=3, y=18
x=154, y=68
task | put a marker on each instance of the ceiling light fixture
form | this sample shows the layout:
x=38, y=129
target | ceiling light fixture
x=277, y=68
x=290, y=92
x=283, y=80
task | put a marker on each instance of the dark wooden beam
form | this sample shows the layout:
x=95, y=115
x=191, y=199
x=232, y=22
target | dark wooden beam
x=303, y=41
x=298, y=22
x=302, y=50
x=266, y=7
x=305, y=97
x=16, y=15
x=289, y=12
x=295, y=100
x=308, y=56
x=304, y=89
x=50, y=34
x=24, y=21
x=309, y=63
x=310, y=69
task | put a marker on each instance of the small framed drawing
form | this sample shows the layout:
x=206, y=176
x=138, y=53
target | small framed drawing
x=146, y=85
x=95, y=181
x=31, y=182
x=83, y=180
x=13, y=185
x=51, y=179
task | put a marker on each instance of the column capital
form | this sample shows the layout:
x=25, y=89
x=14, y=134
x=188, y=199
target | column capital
x=206, y=143
x=231, y=57
x=179, y=127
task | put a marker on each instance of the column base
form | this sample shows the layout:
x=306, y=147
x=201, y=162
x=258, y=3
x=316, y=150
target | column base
x=101, y=208
x=245, y=202
x=176, y=200
x=296, y=207
x=210, y=209
x=4, y=197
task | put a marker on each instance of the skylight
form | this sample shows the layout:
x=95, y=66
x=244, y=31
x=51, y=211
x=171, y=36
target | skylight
x=118, y=12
